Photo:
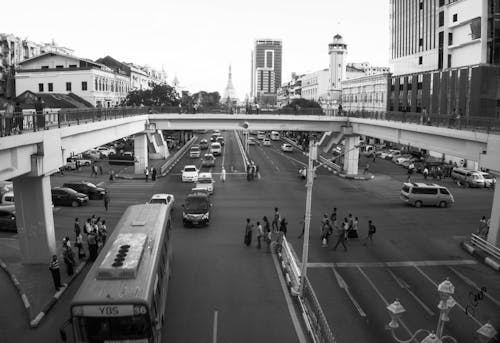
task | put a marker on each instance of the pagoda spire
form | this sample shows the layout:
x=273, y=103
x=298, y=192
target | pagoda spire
x=229, y=92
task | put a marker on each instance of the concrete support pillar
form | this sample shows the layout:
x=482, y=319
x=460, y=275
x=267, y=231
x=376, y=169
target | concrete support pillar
x=472, y=164
x=163, y=147
x=351, y=154
x=140, y=152
x=494, y=232
x=35, y=221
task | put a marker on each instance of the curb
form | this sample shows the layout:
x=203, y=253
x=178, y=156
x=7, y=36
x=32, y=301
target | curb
x=481, y=255
x=17, y=285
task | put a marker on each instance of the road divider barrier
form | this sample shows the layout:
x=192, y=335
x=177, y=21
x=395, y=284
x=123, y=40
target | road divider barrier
x=167, y=166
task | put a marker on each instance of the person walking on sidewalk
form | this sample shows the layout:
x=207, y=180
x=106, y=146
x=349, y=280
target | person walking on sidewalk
x=260, y=235
x=248, y=233
x=153, y=174
x=276, y=220
x=103, y=232
x=55, y=271
x=371, y=231
x=92, y=243
x=106, y=200
x=267, y=233
x=79, y=246
x=78, y=228
x=146, y=173
x=69, y=259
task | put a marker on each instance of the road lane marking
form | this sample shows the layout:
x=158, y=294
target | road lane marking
x=385, y=301
x=290, y=158
x=457, y=303
x=391, y=264
x=214, y=337
x=343, y=285
x=291, y=307
x=406, y=286
x=473, y=284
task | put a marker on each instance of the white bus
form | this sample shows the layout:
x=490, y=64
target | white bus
x=275, y=136
x=123, y=296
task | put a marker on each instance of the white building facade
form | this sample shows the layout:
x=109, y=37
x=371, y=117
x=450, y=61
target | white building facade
x=56, y=73
x=366, y=94
x=315, y=85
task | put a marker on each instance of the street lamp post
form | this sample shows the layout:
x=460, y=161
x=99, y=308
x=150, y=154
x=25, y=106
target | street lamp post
x=446, y=303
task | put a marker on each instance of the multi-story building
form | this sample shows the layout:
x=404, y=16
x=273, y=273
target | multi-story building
x=266, y=70
x=289, y=90
x=366, y=94
x=58, y=73
x=445, y=56
x=364, y=69
x=315, y=86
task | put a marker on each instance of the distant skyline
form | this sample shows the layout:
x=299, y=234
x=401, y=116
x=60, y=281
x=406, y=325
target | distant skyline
x=197, y=40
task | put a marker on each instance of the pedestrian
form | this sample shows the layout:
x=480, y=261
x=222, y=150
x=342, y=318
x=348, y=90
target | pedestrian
x=56, y=273
x=257, y=173
x=77, y=227
x=425, y=172
x=9, y=117
x=111, y=175
x=18, y=118
x=39, y=122
x=483, y=228
x=276, y=220
x=146, y=173
x=353, y=231
x=93, y=220
x=66, y=242
x=371, y=231
x=93, y=172
x=249, y=171
x=92, y=245
x=267, y=233
x=103, y=232
x=333, y=216
x=153, y=174
x=367, y=168
x=260, y=235
x=248, y=233
x=283, y=226
x=342, y=235
x=79, y=246
x=326, y=230
x=88, y=226
x=69, y=260
x=106, y=200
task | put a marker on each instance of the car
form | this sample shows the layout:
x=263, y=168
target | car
x=251, y=141
x=208, y=160
x=489, y=180
x=285, y=147
x=200, y=190
x=196, y=209
x=420, y=194
x=468, y=177
x=206, y=181
x=216, y=149
x=195, y=152
x=204, y=144
x=190, y=173
x=7, y=198
x=128, y=154
x=106, y=151
x=261, y=135
x=67, y=196
x=8, y=218
x=88, y=188
x=163, y=198
x=266, y=142
x=92, y=154
x=220, y=140
x=213, y=137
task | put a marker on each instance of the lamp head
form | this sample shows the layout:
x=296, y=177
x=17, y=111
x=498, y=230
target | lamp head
x=446, y=289
x=486, y=332
x=431, y=338
x=396, y=310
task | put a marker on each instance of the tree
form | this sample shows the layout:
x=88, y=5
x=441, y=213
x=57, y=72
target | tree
x=159, y=95
x=302, y=103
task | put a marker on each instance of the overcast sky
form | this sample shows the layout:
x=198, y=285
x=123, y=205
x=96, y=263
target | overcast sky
x=198, y=39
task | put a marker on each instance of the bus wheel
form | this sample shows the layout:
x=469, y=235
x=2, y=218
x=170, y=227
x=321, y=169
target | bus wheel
x=418, y=204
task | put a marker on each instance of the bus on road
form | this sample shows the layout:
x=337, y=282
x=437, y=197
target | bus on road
x=275, y=136
x=123, y=297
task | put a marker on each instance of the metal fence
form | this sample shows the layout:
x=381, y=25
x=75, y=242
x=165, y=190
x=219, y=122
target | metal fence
x=484, y=245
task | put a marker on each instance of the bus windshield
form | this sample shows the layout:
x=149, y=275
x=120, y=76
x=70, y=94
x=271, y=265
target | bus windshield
x=104, y=329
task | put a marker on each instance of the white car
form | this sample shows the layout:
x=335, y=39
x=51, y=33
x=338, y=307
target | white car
x=266, y=142
x=106, y=151
x=251, y=141
x=93, y=154
x=195, y=152
x=206, y=181
x=285, y=147
x=190, y=173
x=261, y=135
x=162, y=198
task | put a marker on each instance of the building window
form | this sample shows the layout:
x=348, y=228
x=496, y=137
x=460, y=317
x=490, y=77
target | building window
x=420, y=59
x=40, y=87
x=441, y=3
x=68, y=86
x=421, y=5
x=450, y=38
x=455, y=17
x=45, y=67
x=51, y=87
x=441, y=19
x=84, y=85
x=420, y=42
x=449, y=60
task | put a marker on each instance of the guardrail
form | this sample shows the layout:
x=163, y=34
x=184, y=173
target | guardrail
x=313, y=315
x=167, y=166
x=485, y=245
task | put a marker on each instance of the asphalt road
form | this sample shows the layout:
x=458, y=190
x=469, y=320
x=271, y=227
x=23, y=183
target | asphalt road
x=216, y=276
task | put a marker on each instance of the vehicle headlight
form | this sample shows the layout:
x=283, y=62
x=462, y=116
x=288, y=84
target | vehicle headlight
x=205, y=216
x=184, y=215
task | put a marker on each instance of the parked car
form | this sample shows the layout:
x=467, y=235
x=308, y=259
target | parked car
x=266, y=142
x=489, y=180
x=196, y=210
x=88, y=188
x=195, y=152
x=92, y=154
x=106, y=151
x=420, y=194
x=470, y=178
x=204, y=144
x=285, y=147
x=7, y=198
x=8, y=218
x=206, y=181
x=208, y=160
x=67, y=196
x=220, y=140
x=190, y=173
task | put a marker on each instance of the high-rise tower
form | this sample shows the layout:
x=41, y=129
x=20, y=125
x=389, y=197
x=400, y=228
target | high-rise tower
x=266, y=70
x=337, y=50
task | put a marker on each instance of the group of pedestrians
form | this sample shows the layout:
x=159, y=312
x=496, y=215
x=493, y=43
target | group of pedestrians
x=93, y=233
x=95, y=170
x=264, y=231
x=347, y=229
x=253, y=171
x=152, y=171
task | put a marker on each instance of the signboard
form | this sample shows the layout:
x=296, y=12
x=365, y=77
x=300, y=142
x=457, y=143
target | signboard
x=108, y=310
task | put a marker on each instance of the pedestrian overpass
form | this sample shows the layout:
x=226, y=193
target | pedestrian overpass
x=30, y=158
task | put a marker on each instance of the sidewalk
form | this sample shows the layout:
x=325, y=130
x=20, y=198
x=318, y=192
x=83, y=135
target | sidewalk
x=33, y=282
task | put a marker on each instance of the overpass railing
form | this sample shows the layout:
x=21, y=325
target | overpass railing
x=484, y=245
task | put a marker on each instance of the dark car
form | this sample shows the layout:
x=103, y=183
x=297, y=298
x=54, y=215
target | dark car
x=94, y=192
x=196, y=209
x=8, y=218
x=69, y=197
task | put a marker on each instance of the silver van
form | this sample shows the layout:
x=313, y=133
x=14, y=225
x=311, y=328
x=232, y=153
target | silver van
x=471, y=178
x=426, y=194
